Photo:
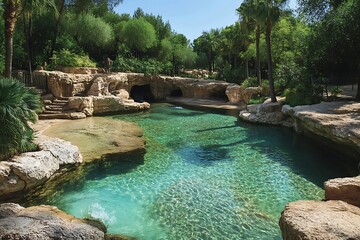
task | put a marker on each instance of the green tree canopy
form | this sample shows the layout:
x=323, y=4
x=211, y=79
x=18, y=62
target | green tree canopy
x=139, y=35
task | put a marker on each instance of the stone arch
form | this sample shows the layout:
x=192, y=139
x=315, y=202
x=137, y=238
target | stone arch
x=142, y=93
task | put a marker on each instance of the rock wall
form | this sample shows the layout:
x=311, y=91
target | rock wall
x=31, y=169
x=62, y=84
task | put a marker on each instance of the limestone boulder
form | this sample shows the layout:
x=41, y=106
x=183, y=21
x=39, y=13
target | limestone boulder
x=308, y=220
x=233, y=93
x=45, y=222
x=268, y=113
x=113, y=104
x=31, y=169
x=345, y=189
x=81, y=104
x=99, y=87
x=121, y=93
x=237, y=94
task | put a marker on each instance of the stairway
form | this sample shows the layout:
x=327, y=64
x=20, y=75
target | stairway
x=56, y=109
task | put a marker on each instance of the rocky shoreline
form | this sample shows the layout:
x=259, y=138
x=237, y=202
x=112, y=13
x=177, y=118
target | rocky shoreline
x=335, y=123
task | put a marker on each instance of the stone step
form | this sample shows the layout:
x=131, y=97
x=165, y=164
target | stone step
x=54, y=108
x=60, y=101
x=52, y=112
x=55, y=116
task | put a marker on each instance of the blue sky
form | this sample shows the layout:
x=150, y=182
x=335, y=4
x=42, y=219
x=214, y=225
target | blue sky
x=189, y=17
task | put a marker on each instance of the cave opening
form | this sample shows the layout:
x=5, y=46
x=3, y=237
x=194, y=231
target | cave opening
x=176, y=93
x=218, y=94
x=142, y=93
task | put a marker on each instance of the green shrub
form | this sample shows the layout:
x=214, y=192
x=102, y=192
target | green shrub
x=18, y=105
x=336, y=91
x=148, y=67
x=304, y=94
x=250, y=82
x=257, y=100
x=65, y=58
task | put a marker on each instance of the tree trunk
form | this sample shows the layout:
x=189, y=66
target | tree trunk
x=247, y=68
x=358, y=91
x=27, y=31
x=10, y=20
x=270, y=63
x=56, y=30
x=258, y=67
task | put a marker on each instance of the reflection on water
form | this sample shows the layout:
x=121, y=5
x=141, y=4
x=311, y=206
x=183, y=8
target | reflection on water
x=205, y=176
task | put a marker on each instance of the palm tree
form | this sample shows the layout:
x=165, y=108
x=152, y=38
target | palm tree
x=12, y=10
x=265, y=13
x=248, y=10
x=269, y=14
x=18, y=105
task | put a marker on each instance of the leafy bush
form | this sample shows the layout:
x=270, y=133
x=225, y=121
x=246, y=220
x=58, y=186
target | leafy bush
x=66, y=58
x=336, y=91
x=304, y=94
x=18, y=105
x=250, y=82
x=148, y=67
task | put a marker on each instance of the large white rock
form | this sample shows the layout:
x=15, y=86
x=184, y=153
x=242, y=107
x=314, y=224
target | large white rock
x=31, y=169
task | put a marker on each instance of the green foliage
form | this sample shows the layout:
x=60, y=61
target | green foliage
x=89, y=31
x=66, y=58
x=250, y=82
x=336, y=91
x=257, y=100
x=139, y=35
x=18, y=105
x=148, y=67
x=304, y=94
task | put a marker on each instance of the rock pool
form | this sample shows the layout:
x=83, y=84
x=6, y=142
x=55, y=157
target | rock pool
x=205, y=176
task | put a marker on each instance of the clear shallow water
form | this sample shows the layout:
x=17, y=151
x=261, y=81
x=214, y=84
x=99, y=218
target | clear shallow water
x=205, y=176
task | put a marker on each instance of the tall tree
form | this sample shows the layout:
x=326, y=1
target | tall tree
x=270, y=14
x=249, y=12
x=12, y=10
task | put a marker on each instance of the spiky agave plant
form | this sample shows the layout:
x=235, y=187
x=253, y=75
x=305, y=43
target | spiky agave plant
x=18, y=106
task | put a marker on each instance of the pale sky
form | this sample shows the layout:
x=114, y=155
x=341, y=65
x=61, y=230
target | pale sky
x=189, y=17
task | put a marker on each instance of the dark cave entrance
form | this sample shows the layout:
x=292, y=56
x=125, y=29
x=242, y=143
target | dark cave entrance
x=219, y=95
x=176, y=93
x=142, y=93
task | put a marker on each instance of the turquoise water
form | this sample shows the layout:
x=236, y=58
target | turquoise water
x=204, y=176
